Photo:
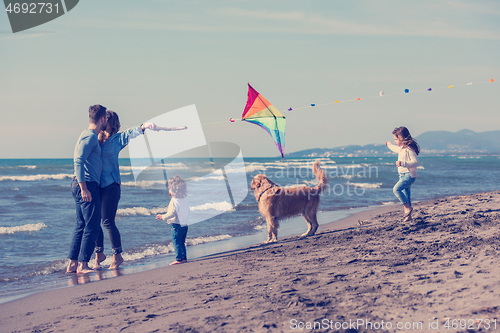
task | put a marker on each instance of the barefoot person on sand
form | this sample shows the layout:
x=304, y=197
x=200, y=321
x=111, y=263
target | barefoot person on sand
x=177, y=215
x=85, y=189
x=407, y=149
x=112, y=143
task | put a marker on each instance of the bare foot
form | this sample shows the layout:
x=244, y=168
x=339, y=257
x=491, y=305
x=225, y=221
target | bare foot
x=84, y=268
x=117, y=261
x=408, y=211
x=99, y=257
x=72, y=266
x=408, y=217
x=407, y=208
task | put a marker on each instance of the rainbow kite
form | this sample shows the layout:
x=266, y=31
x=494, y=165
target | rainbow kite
x=260, y=112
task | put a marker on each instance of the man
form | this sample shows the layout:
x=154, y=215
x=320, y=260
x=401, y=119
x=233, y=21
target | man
x=85, y=188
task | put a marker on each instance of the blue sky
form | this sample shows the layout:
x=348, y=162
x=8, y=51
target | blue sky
x=142, y=59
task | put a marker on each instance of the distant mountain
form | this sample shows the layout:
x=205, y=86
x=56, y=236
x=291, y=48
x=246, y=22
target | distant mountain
x=351, y=151
x=464, y=141
x=431, y=143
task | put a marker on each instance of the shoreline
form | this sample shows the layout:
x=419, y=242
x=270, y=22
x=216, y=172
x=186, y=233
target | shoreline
x=441, y=266
x=290, y=227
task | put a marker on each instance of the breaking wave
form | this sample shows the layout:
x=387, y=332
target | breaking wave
x=22, y=228
x=220, y=206
x=364, y=185
x=160, y=249
x=140, y=211
x=37, y=177
x=166, y=166
x=143, y=211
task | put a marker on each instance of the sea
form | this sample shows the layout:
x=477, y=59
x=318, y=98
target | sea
x=37, y=210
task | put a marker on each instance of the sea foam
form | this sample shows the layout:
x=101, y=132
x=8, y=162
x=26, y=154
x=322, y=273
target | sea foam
x=140, y=211
x=145, y=183
x=27, y=166
x=19, y=167
x=220, y=206
x=159, y=249
x=37, y=177
x=22, y=228
x=143, y=211
x=198, y=179
x=365, y=185
x=166, y=166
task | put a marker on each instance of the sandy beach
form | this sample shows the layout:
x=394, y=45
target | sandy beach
x=377, y=274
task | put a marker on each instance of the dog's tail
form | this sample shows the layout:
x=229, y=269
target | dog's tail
x=321, y=177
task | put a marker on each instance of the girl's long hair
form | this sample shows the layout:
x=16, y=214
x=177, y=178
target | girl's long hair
x=114, y=122
x=403, y=133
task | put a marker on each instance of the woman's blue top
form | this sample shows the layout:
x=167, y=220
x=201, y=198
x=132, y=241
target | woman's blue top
x=110, y=150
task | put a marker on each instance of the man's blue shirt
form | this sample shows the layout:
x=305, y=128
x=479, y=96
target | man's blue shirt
x=87, y=157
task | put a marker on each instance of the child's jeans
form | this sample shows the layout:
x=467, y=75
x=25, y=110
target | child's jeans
x=178, y=239
x=402, y=188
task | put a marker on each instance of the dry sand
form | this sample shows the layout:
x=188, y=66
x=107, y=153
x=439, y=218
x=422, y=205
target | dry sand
x=418, y=276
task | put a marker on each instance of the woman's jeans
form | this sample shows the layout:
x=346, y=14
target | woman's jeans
x=178, y=239
x=88, y=218
x=110, y=195
x=402, y=188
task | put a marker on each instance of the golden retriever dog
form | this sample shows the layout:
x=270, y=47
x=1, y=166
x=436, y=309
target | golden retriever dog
x=278, y=203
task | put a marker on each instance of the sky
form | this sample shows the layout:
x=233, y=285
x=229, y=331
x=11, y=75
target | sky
x=142, y=59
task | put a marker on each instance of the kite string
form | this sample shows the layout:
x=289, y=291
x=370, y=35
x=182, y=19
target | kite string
x=358, y=99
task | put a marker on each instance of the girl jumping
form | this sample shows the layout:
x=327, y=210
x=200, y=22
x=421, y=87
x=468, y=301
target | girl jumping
x=407, y=149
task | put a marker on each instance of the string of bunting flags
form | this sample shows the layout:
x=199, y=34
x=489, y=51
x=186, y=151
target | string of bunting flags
x=406, y=91
x=381, y=94
x=259, y=111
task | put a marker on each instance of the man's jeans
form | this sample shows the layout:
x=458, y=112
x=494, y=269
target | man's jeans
x=88, y=219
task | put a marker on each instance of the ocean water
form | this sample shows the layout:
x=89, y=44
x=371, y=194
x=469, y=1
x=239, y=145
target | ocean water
x=37, y=209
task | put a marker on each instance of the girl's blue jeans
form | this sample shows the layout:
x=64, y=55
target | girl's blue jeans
x=402, y=188
x=179, y=240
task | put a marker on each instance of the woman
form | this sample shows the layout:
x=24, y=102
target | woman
x=407, y=149
x=112, y=142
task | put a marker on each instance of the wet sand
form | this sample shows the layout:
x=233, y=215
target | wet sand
x=376, y=274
